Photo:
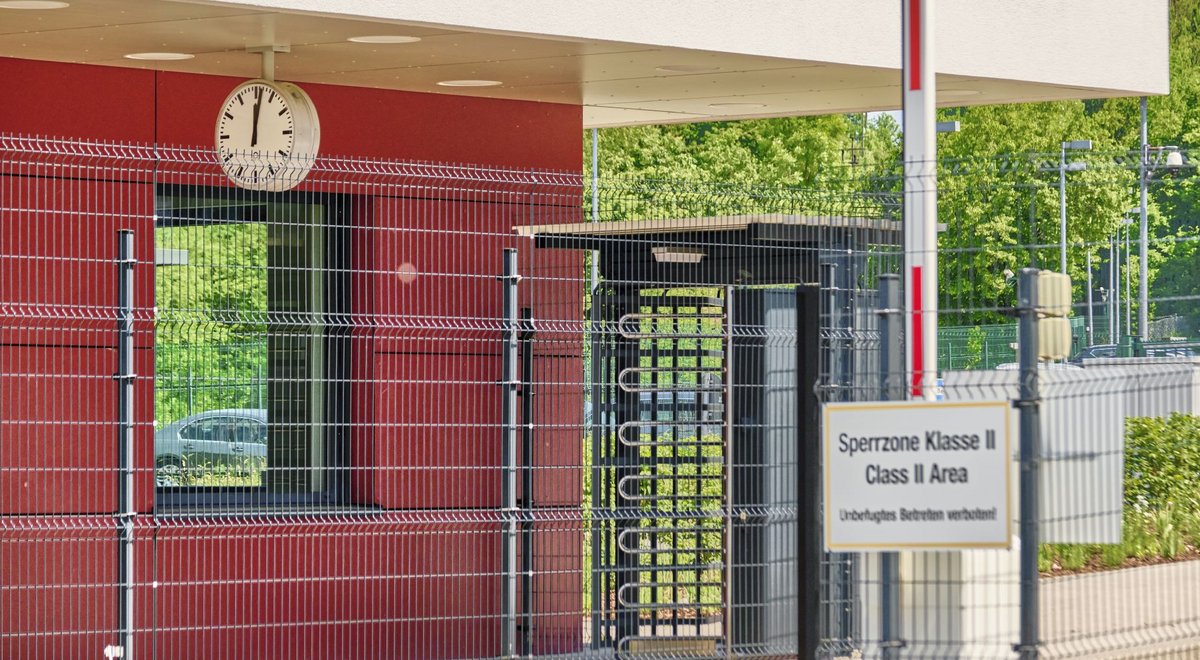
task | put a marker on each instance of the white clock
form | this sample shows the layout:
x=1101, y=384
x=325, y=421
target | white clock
x=267, y=135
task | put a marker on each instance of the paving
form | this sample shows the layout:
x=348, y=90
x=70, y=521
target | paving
x=1143, y=612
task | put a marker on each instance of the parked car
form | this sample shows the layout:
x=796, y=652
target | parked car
x=1014, y=366
x=232, y=437
x=1097, y=351
x=1170, y=350
x=672, y=406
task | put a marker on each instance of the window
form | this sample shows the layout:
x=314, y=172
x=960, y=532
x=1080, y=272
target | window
x=244, y=355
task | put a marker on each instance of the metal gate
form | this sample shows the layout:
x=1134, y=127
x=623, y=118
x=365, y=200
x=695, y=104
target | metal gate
x=660, y=470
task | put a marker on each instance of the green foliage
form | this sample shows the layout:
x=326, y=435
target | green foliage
x=1162, y=463
x=991, y=213
x=245, y=472
x=975, y=342
x=1161, y=517
x=209, y=351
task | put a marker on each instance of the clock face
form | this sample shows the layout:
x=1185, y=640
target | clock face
x=266, y=135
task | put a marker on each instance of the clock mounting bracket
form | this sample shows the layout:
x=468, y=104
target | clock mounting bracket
x=267, y=51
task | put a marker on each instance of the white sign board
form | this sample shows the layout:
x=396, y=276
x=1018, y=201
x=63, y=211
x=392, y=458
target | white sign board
x=908, y=475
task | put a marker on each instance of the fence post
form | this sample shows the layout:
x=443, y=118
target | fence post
x=527, y=428
x=508, y=459
x=891, y=386
x=191, y=388
x=1030, y=450
x=124, y=379
x=730, y=467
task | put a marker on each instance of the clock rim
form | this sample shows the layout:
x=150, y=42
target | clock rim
x=306, y=137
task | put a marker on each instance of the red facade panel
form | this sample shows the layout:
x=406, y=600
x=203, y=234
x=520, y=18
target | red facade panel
x=558, y=435
x=47, y=98
x=58, y=248
x=424, y=399
x=437, y=430
x=57, y=587
x=557, y=600
x=58, y=425
x=436, y=260
x=396, y=125
x=181, y=109
x=385, y=586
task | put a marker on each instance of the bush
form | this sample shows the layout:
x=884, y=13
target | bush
x=1162, y=463
x=1161, y=518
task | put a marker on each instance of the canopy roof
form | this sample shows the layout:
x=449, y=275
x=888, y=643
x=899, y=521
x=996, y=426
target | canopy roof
x=627, y=61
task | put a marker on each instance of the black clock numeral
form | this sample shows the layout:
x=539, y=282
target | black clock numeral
x=240, y=100
x=271, y=98
x=227, y=115
x=281, y=112
x=225, y=136
x=258, y=93
x=240, y=169
x=282, y=153
x=228, y=157
x=287, y=132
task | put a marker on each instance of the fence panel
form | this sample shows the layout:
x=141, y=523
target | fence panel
x=355, y=434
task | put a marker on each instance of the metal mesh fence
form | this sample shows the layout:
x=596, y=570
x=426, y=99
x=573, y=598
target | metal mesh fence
x=436, y=411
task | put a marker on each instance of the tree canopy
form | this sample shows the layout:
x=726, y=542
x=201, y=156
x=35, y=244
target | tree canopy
x=998, y=178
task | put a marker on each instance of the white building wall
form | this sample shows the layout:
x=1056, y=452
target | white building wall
x=1103, y=44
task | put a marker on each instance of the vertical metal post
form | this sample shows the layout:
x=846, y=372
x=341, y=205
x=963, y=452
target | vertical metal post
x=1062, y=209
x=727, y=431
x=125, y=507
x=891, y=386
x=527, y=428
x=920, y=195
x=1030, y=443
x=508, y=458
x=1091, y=333
x=1115, y=276
x=835, y=322
x=595, y=274
x=595, y=175
x=599, y=576
x=191, y=390
x=1114, y=288
x=808, y=472
x=1128, y=291
x=1143, y=232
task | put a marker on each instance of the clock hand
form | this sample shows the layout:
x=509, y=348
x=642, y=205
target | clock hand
x=254, y=131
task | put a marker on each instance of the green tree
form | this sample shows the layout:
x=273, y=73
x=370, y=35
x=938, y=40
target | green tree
x=997, y=180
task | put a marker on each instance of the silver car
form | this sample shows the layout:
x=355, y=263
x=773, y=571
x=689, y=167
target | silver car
x=232, y=437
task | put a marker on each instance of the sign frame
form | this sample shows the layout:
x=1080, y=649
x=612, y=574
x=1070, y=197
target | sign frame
x=930, y=408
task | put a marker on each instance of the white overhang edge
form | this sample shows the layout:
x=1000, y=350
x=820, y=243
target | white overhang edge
x=1106, y=45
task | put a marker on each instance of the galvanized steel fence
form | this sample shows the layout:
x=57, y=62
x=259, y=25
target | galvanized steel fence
x=428, y=410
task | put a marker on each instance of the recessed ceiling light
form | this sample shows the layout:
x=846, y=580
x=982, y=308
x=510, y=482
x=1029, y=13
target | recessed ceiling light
x=162, y=57
x=958, y=93
x=736, y=106
x=677, y=255
x=384, y=39
x=33, y=4
x=687, y=68
x=470, y=83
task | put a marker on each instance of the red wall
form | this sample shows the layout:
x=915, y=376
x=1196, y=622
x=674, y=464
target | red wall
x=134, y=105
x=376, y=586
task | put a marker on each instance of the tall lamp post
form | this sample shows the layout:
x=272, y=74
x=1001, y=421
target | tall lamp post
x=1127, y=224
x=1152, y=159
x=1091, y=333
x=1063, y=168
